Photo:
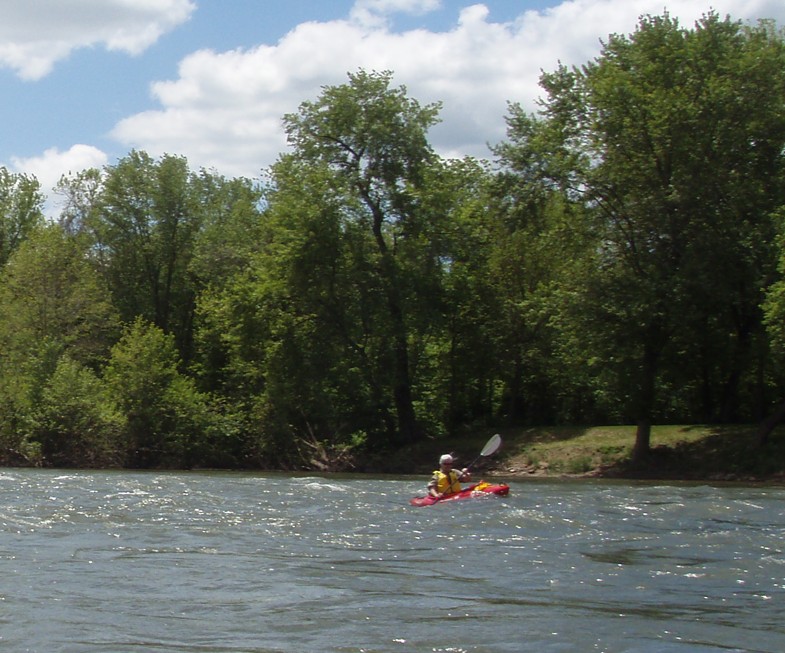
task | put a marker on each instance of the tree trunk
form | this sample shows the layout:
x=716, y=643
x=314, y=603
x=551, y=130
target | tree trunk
x=640, y=451
x=646, y=390
x=407, y=420
x=402, y=388
x=402, y=391
x=768, y=425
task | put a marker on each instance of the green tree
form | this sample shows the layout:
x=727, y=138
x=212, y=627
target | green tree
x=52, y=303
x=538, y=241
x=144, y=227
x=52, y=299
x=343, y=327
x=229, y=240
x=167, y=421
x=774, y=318
x=21, y=203
x=81, y=193
x=366, y=144
x=675, y=149
x=284, y=329
x=230, y=231
x=456, y=325
x=75, y=423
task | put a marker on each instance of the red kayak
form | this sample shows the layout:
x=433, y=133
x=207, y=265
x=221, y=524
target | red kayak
x=480, y=489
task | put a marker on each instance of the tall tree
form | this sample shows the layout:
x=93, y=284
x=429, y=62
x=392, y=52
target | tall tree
x=774, y=318
x=52, y=304
x=81, y=194
x=230, y=231
x=144, y=228
x=673, y=141
x=458, y=324
x=371, y=139
x=52, y=298
x=539, y=238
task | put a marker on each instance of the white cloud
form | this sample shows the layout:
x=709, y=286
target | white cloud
x=53, y=164
x=224, y=110
x=35, y=35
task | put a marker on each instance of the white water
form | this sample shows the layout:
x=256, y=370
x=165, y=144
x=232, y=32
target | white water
x=213, y=562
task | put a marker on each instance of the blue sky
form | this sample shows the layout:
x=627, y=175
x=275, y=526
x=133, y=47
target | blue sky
x=85, y=81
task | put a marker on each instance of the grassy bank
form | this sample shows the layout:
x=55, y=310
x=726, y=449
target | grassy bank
x=677, y=452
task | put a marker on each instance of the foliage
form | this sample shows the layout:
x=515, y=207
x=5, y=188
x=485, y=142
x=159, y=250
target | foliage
x=370, y=140
x=75, y=422
x=53, y=306
x=166, y=418
x=615, y=265
x=678, y=169
x=52, y=300
x=21, y=204
x=348, y=244
x=143, y=222
x=230, y=228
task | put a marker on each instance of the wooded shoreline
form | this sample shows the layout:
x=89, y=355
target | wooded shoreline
x=620, y=260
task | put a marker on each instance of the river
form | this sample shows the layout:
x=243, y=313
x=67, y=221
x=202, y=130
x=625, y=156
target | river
x=117, y=562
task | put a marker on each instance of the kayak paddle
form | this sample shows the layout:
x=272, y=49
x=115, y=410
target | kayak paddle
x=490, y=448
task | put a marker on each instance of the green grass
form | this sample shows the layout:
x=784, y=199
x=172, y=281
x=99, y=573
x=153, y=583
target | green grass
x=688, y=452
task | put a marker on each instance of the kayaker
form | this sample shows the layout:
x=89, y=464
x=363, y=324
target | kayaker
x=446, y=480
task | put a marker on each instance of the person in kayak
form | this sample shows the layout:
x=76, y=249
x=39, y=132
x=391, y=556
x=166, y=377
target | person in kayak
x=446, y=480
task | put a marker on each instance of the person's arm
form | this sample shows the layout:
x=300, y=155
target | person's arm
x=432, y=484
x=465, y=476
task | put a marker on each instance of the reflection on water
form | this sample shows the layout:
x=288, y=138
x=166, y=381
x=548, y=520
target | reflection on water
x=209, y=562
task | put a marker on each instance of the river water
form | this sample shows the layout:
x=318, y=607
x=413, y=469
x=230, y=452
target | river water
x=117, y=562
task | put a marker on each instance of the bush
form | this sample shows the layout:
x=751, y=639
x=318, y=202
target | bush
x=75, y=422
x=167, y=420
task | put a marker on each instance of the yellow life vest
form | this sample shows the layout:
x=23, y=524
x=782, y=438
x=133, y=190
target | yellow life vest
x=447, y=483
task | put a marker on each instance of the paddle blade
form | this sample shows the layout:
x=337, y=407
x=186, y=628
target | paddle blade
x=492, y=445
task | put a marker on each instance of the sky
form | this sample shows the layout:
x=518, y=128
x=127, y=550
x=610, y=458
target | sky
x=84, y=82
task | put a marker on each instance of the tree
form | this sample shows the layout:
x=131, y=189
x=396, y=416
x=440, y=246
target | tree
x=457, y=327
x=774, y=318
x=370, y=140
x=226, y=245
x=52, y=304
x=75, y=422
x=144, y=226
x=21, y=204
x=539, y=240
x=52, y=298
x=230, y=230
x=166, y=419
x=81, y=197
x=676, y=154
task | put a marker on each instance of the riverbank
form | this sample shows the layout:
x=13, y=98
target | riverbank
x=695, y=452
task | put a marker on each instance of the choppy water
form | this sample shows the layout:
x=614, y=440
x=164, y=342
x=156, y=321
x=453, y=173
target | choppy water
x=213, y=562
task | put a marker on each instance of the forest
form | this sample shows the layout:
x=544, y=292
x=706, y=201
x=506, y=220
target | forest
x=618, y=259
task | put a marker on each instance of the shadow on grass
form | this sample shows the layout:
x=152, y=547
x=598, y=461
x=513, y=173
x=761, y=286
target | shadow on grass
x=726, y=454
